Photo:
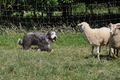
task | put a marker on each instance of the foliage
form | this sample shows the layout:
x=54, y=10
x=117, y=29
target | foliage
x=32, y=5
x=67, y=1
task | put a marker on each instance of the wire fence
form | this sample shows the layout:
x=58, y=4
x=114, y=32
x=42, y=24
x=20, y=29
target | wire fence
x=95, y=13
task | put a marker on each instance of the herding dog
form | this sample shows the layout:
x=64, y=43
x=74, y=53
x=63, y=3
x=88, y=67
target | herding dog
x=43, y=40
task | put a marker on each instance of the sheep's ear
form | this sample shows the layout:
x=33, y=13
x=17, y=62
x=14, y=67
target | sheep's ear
x=110, y=25
x=118, y=26
x=79, y=25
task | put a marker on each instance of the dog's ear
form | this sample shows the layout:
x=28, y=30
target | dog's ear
x=48, y=34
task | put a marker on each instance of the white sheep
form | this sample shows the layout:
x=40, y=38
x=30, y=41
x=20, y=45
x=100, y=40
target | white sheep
x=114, y=41
x=96, y=37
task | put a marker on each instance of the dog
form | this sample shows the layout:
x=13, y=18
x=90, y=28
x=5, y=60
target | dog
x=43, y=40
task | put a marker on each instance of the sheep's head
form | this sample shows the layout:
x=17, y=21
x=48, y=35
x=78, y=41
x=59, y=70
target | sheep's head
x=82, y=26
x=114, y=28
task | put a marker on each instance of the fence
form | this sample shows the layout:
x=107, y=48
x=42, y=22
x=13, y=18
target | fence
x=93, y=12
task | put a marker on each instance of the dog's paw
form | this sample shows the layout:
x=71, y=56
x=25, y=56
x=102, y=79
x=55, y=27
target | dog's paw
x=39, y=50
x=50, y=50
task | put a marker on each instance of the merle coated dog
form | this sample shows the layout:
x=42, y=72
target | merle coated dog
x=43, y=40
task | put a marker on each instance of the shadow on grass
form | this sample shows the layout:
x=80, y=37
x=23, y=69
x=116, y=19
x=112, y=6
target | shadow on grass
x=33, y=48
x=117, y=78
x=107, y=57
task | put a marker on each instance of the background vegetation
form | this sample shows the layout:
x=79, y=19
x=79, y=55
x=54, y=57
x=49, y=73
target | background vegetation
x=63, y=8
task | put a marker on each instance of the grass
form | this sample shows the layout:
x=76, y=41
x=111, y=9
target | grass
x=70, y=60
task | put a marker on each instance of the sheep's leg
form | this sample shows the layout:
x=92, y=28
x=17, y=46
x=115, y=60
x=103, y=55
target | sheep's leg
x=113, y=52
x=99, y=49
x=92, y=50
x=117, y=52
x=109, y=51
x=98, y=52
x=109, y=54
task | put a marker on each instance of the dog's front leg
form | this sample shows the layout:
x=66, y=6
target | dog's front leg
x=49, y=50
x=45, y=47
x=39, y=49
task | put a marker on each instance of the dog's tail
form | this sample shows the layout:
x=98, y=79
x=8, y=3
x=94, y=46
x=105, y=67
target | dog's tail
x=20, y=41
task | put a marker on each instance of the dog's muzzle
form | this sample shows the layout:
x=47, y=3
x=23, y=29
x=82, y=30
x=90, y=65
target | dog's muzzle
x=53, y=39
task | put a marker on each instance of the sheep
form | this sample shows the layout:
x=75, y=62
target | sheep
x=96, y=37
x=114, y=39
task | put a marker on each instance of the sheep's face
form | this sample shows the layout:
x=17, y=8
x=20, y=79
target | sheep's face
x=81, y=27
x=114, y=28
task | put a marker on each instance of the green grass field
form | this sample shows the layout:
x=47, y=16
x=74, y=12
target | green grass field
x=70, y=60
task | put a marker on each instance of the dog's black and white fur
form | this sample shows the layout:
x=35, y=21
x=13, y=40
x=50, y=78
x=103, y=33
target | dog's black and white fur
x=43, y=40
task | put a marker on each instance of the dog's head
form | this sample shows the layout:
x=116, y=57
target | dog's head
x=51, y=35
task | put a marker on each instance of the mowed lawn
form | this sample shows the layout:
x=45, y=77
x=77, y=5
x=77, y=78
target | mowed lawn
x=70, y=60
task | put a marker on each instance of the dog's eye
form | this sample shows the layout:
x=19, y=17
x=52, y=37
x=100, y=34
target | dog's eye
x=54, y=38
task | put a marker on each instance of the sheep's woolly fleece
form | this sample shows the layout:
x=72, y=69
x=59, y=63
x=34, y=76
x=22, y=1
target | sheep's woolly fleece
x=96, y=37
